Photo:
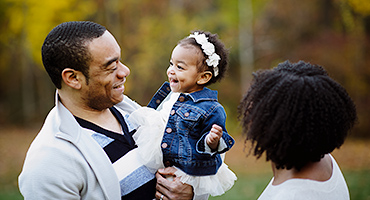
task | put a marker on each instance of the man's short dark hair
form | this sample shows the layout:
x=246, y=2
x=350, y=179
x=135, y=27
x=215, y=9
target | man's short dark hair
x=295, y=113
x=66, y=47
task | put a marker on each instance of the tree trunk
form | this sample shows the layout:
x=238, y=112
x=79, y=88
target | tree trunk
x=246, y=48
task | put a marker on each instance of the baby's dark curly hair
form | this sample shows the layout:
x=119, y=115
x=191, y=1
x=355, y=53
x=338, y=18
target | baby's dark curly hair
x=220, y=50
x=296, y=114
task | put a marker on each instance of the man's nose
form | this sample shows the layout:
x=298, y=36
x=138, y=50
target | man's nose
x=123, y=70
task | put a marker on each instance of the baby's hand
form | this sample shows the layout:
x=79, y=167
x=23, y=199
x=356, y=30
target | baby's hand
x=214, y=136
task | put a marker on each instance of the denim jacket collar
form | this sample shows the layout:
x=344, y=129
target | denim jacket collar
x=204, y=95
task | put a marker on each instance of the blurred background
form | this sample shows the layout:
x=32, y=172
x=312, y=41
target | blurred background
x=259, y=34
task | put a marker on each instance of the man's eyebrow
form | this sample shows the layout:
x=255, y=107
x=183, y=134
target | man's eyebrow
x=105, y=65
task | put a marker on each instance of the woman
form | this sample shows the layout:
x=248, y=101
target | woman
x=297, y=115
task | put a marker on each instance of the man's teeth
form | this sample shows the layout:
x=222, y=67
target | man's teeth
x=119, y=86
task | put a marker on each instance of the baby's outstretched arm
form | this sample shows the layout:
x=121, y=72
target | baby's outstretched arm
x=214, y=136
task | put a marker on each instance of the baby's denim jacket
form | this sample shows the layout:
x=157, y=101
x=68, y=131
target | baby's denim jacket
x=190, y=120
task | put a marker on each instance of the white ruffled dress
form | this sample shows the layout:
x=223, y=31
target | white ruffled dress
x=151, y=124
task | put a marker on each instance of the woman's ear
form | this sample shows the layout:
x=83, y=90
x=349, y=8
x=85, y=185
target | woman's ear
x=72, y=78
x=204, y=77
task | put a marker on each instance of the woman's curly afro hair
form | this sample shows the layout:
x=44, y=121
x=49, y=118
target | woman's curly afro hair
x=296, y=114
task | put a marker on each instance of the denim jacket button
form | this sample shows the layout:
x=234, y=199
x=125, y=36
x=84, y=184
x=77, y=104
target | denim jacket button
x=173, y=112
x=181, y=99
x=168, y=130
x=186, y=114
x=167, y=163
x=158, y=101
x=164, y=145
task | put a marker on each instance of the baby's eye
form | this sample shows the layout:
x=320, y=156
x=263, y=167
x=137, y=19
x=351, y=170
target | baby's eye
x=171, y=64
x=179, y=67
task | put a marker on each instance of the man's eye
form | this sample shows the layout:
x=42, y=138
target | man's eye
x=113, y=68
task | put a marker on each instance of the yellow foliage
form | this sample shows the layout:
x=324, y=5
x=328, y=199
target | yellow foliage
x=360, y=6
x=31, y=20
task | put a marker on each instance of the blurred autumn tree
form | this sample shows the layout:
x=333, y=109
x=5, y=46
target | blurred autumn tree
x=26, y=91
x=259, y=33
x=146, y=30
x=331, y=33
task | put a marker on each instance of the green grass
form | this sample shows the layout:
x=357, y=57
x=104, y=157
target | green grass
x=12, y=194
x=359, y=184
x=250, y=187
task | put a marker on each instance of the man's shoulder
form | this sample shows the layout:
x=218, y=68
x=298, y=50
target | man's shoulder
x=46, y=147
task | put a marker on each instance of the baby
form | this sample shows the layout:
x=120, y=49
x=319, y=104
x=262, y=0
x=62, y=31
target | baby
x=187, y=128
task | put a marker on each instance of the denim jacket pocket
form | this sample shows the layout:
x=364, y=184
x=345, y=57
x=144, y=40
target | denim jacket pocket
x=188, y=119
x=188, y=114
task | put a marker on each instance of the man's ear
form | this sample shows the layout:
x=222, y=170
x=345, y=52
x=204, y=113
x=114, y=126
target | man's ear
x=72, y=78
x=204, y=77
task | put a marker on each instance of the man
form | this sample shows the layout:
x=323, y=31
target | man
x=85, y=148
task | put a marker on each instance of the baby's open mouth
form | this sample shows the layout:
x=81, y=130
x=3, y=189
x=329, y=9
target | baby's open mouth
x=173, y=80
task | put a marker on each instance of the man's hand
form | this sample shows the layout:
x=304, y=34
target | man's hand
x=214, y=136
x=171, y=189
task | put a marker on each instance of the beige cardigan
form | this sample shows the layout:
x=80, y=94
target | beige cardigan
x=63, y=162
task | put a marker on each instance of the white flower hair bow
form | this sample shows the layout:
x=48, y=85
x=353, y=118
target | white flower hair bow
x=209, y=49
